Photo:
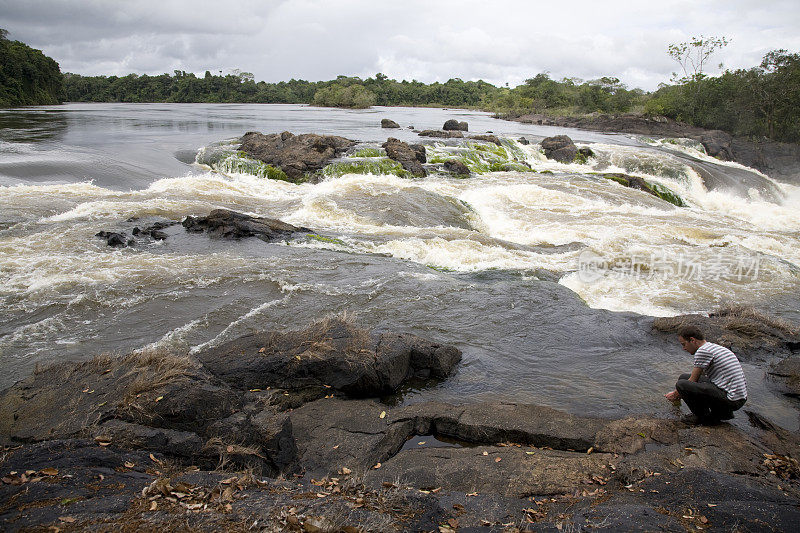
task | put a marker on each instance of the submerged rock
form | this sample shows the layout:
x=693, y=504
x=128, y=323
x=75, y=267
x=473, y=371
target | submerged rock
x=454, y=125
x=225, y=224
x=115, y=239
x=389, y=123
x=640, y=184
x=410, y=156
x=295, y=155
x=560, y=148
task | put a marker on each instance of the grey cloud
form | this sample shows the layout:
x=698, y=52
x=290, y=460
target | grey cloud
x=502, y=41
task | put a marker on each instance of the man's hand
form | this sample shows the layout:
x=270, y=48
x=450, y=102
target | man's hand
x=672, y=396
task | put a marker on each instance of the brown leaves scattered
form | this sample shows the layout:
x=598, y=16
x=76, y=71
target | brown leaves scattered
x=32, y=476
x=782, y=466
x=102, y=440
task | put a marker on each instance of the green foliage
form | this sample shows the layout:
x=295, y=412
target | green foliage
x=370, y=152
x=372, y=166
x=27, y=76
x=762, y=101
x=541, y=94
x=353, y=96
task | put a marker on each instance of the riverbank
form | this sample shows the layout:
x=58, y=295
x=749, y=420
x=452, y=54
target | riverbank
x=778, y=160
x=285, y=430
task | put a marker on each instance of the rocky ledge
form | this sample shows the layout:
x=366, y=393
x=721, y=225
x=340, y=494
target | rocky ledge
x=296, y=155
x=283, y=431
x=778, y=160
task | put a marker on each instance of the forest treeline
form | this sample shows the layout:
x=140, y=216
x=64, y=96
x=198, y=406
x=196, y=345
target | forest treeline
x=763, y=101
x=27, y=76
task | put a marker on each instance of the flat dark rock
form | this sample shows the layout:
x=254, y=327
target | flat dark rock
x=225, y=224
x=330, y=354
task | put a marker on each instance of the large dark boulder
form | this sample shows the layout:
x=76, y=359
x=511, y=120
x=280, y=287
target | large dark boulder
x=717, y=144
x=296, y=155
x=332, y=354
x=561, y=148
x=454, y=125
x=410, y=156
x=225, y=224
x=456, y=167
x=389, y=123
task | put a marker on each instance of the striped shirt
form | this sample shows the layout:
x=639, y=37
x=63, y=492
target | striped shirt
x=722, y=368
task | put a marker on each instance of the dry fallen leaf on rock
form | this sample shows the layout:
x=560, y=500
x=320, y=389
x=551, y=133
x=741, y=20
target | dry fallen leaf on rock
x=497, y=459
x=383, y=414
x=377, y=466
x=129, y=464
x=49, y=471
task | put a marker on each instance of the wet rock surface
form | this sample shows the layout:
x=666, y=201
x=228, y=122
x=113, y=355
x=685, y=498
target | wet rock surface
x=560, y=148
x=389, y=123
x=285, y=429
x=296, y=155
x=225, y=224
x=411, y=156
x=153, y=232
x=456, y=167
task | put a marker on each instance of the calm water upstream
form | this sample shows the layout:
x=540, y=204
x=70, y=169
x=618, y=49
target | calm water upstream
x=546, y=280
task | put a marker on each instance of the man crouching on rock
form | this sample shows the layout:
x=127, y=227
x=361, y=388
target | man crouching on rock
x=716, y=387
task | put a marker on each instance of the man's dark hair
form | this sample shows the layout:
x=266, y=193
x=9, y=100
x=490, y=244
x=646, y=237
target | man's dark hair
x=688, y=332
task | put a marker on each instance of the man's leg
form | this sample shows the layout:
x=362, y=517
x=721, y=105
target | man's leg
x=703, y=398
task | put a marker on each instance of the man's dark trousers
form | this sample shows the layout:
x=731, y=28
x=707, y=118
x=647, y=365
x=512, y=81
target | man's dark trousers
x=706, y=400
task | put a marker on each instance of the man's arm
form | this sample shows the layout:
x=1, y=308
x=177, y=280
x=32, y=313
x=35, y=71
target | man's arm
x=674, y=396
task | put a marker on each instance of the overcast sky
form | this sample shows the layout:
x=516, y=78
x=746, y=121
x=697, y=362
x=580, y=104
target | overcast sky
x=432, y=40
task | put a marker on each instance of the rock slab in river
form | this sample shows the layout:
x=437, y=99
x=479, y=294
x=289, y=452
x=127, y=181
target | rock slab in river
x=330, y=354
x=389, y=123
x=225, y=224
x=296, y=155
x=560, y=147
x=411, y=156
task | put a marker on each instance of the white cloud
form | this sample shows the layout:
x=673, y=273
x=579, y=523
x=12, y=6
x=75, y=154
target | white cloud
x=502, y=41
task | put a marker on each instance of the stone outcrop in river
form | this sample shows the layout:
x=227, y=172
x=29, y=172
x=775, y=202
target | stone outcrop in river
x=560, y=148
x=295, y=155
x=389, y=123
x=454, y=125
x=411, y=156
x=225, y=224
